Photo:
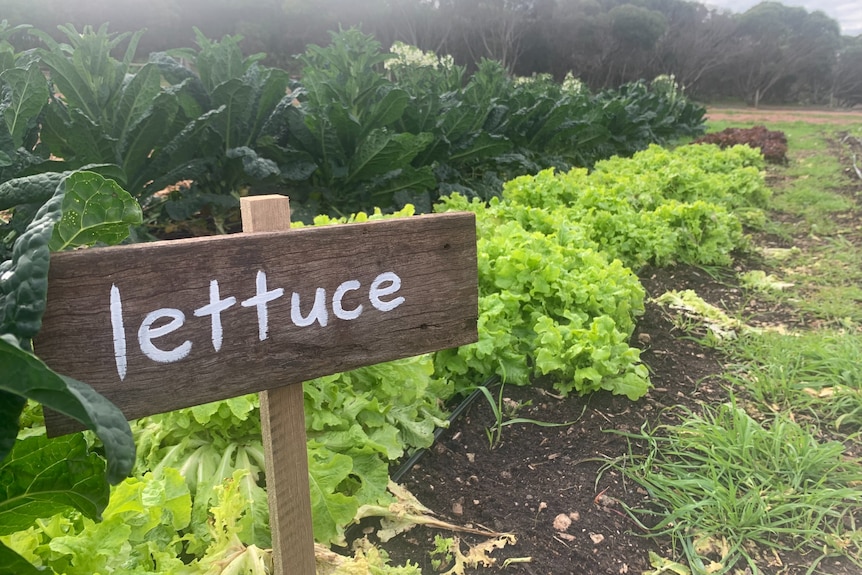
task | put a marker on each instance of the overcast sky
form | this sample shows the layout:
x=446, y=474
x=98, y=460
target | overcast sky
x=848, y=13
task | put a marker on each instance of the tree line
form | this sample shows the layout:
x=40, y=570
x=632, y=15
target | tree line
x=770, y=54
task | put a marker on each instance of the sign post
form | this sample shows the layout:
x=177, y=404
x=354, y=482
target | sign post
x=166, y=325
x=282, y=422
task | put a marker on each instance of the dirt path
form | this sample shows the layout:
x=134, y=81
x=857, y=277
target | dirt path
x=765, y=115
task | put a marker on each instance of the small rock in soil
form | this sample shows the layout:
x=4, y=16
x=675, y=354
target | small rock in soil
x=562, y=522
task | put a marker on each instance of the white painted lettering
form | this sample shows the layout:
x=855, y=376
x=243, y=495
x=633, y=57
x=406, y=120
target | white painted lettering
x=214, y=309
x=338, y=308
x=317, y=313
x=260, y=301
x=378, y=290
x=382, y=295
x=147, y=333
x=119, y=331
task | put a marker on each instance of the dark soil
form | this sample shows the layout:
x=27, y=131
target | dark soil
x=537, y=474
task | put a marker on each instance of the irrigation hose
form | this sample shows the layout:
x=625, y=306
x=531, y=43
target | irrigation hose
x=351, y=532
x=456, y=413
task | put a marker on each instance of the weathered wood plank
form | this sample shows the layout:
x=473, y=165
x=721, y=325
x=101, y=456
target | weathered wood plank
x=153, y=314
x=282, y=422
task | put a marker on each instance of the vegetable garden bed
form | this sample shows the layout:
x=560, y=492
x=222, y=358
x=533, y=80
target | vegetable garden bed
x=551, y=486
x=535, y=474
x=563, y=319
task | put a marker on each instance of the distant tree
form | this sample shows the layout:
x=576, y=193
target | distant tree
x=421, y=23
x=782, y=46
x=822, y=36
x=493, y=29
x=636, y=27
x=771, y=53
x=613, y=45
x=698, y=41
x=847, y=74
x=635, y=31
x=574, y=37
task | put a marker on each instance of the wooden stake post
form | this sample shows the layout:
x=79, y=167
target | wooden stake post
x=282, y=423
x=161, y=326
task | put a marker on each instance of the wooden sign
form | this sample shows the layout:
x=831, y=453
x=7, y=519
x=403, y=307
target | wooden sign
x=161, y=326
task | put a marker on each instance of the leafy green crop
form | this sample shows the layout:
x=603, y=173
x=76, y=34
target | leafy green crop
x=357, y=423
x=360, y=421
x=659, y=206
x=231, y=139
x=23, y=95
x=77, y=209
x=362, y=128
x=345, y=123
x=386, y=129
x=41, y=478
x=36, y=485
x=161, y=123
x=556, y=297
x=99, y=110
x=89, y=216
x=137, y=532
x=23, y=292
x=549, y=304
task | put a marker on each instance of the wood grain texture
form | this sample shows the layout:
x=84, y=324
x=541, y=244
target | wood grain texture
x=287, y=486
x=435, y=257
x=282, y=419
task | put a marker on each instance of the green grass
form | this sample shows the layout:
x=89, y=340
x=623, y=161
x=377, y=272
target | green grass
x=814, y=375
x=816, y=202
x=744, y=482
x=837, y=304
x=730, y=489
x=814, y=192
x=813, y=176
x=815, y=181
x=826, y=280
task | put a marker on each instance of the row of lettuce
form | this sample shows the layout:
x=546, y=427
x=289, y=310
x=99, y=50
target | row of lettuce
x=558, y=298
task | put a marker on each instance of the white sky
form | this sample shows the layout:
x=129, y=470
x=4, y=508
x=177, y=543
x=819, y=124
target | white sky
x=848, y=13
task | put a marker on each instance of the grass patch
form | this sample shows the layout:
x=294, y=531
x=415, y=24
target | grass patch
x=813, y=180
x=738, y=487
x=732, y=492
x=825, y=278
x=816, y=205
x=815, y=375
x=827, y=273
x=838, y=305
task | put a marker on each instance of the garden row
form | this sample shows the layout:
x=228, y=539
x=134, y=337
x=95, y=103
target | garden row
x=362, y=128
x=558, y=298
x=92, y=148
